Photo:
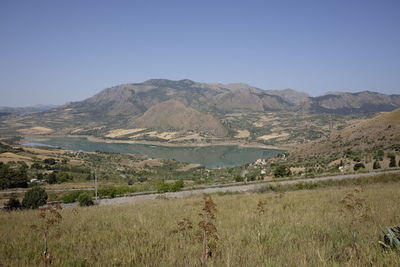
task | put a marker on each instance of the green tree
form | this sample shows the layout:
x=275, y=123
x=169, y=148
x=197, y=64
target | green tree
x=52, y=178
x=177, y=186
x=358, y=166
x=376, y=165
x=282, y=171
x=13, y=177
x=34, y=198
x=50, y=161
x=392, y=163
x=63, y=177
x=85, y=199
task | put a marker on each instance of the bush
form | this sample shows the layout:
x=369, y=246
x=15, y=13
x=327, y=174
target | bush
x=358, y=166
x=177, y=186
x=379, y=155
x=50, y=161
x=63, y=177
x=376, y=165
x=239, y=178
x=282, y=171
x=251, y=177
x=34, y=198
x=73, y=196
x=392, y=163
x=165, y=187
x=12, y=204
x=85, y=199
x=51, y=178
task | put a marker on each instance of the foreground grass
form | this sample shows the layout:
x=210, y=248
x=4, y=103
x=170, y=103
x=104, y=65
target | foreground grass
x=300, y=228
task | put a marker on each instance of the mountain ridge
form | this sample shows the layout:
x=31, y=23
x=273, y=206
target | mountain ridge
x=128, y=106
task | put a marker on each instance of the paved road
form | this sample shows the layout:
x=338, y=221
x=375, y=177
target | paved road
x=234, y=188
x=227, y=188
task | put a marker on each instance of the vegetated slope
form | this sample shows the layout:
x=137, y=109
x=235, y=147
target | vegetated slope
x=24, y=110
x=290, y=95
x=351, y=103
x=382, y=130
x=124, y=107
x=172, y=114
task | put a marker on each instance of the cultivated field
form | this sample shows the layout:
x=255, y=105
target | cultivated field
x=298, y=228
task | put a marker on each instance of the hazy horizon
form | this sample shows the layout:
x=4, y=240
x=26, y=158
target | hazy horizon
x=64, y=51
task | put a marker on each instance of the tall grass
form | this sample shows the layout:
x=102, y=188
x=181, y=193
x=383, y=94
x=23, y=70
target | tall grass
x=299, y=228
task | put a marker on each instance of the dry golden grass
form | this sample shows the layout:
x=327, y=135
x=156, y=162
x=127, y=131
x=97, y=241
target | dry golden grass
x=122, y=132
x=242, y=134
x=302, y=228
x=36, y=130
x=273, y=136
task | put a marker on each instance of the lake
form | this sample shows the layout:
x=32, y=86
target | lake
x=213, y=156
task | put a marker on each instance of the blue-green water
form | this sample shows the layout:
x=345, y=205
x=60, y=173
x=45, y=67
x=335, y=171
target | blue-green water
x=209, y=156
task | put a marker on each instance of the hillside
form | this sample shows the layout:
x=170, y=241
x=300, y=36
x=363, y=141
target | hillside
x=172, y=114
x=202, y=110
x=379, y=132
x=352, y=103
x=23, y=110
x=290, y=95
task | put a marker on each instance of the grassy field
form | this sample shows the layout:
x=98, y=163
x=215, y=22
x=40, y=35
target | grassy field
x=334, y=226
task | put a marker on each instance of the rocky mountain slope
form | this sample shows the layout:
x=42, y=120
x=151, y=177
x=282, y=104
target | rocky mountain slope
x=290, y=95
x=187, y=103
x=211, y=110
x=379, y=132
x=23, y=110
x=350, y=103
x=172, y=114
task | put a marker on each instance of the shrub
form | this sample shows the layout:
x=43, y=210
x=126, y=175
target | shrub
x=34, y=198
x=50, y=161
x=282, y=171
x=379, y=155
x=376, y=165
x=392, y=163
x=85, y=199
x=51, y=178
x=165, y=187
x=12, y=204
x=358, y=166
x=110, y=191
x=177, y=186
x=304, y=185
x=72, y=197
x=239, y=178
x=251, y=177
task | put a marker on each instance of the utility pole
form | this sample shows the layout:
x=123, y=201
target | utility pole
x=95, y=182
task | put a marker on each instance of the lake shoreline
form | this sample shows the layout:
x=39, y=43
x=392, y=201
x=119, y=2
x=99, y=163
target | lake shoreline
x=210, y=155
x=156, y=143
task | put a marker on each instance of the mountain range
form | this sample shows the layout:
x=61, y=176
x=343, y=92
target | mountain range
x=24, y=110
x=191, y=107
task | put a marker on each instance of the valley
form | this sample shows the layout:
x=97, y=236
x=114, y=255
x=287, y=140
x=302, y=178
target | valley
x=199, y=133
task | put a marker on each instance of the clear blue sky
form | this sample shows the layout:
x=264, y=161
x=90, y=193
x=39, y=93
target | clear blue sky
x=53, y=52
